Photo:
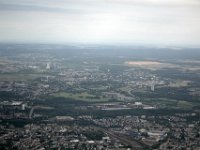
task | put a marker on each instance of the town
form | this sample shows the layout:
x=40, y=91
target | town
x=81, y=99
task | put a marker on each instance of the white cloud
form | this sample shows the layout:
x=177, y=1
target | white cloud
x=125, y=21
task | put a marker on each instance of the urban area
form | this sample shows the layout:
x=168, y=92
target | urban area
x=86, y=98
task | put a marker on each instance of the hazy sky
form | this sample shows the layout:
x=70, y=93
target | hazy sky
x=167, y=22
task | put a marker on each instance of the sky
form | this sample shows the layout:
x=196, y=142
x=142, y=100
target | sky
x=158, y=22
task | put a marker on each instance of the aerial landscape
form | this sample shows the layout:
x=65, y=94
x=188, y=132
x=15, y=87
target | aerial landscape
x=80, y=98
x=105, y=77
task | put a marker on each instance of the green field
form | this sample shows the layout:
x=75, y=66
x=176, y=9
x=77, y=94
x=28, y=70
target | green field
x=185, y=104
x=170, y=103
x=84, y=96
x=19, y=77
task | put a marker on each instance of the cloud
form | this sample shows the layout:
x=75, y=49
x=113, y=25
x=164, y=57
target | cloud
x=128, y=21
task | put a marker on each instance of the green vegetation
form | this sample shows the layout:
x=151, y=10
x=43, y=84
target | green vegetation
x=69, y=108
x=168, y=97
x=70, y=95
x=94, y=135
x=83, y=96
x=185, y=105
x=170, y=103
x=19, y=77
